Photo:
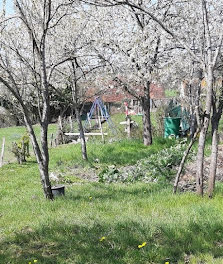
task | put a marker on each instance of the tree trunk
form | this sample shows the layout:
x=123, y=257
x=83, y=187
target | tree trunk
x=42, y=162
x=193, y=139
x=214, y=156
x=215, y=140
x=44, y=175
x=147, y=128
x=82, y=136
x=204, y=129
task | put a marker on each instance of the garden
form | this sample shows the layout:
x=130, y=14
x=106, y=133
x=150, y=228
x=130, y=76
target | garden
x=113, y=211
x=111, y=132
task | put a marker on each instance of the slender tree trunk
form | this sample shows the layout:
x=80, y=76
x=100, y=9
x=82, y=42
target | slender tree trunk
x=147, y=128
x=187, y=151
x=203, y=133
x=215, y=140
x=44, y=174
x=44, y=165
x=82, y=136
x=42, y=162
x=214, y=156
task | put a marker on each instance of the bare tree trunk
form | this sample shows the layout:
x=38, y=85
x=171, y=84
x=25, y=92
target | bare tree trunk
x=147, y=128
x=71, y=124
x=204, y=129
x=43, y=163
x=44, y=174
x=215, y=140
x=82, y=136
x=213, y=165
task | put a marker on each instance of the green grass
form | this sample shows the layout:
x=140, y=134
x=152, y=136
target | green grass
x=123, y=152
x=171, y=93
x=68, y=229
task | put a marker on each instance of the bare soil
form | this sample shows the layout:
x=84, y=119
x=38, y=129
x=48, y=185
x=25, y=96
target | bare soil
x=188, y=178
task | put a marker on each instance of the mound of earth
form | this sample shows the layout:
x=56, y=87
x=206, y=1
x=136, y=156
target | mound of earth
x=188, y=178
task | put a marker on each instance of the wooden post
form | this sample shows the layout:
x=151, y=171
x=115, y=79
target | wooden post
x=51, y=140
x=89, y=120
x=2, y=152
x=100, y=126
x=71, y=124
x=60, y=123
x=128, y=128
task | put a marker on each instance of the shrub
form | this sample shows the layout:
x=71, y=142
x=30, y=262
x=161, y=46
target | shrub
x=157, y=167
x=21, y=149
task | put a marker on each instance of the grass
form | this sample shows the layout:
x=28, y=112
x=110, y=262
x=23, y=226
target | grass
x=69, y=229
x=123, y=152
x=171, y=93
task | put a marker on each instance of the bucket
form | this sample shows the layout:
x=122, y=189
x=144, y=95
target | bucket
x=58, y=190
x=172, y=126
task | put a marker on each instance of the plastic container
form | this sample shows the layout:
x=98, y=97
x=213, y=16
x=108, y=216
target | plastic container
x=171, y=126
x=58, y=190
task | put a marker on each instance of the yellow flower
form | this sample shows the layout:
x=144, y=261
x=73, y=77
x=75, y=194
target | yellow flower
x=30, y=262
x=143, y=245
x=90, y=198
x=35, y=260
x=102, y=239
x=167, y=262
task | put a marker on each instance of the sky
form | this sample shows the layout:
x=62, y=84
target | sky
x=9, y=6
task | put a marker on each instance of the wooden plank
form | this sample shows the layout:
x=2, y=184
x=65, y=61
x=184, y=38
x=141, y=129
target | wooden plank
x=86, y=134
x=125, y=122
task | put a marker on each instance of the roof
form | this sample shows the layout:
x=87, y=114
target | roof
x=114, y=95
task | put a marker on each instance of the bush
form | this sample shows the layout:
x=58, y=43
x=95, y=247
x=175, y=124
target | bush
x=159, y=167
x=21, y=149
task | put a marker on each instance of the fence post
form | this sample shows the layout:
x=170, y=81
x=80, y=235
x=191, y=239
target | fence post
x=2, y=152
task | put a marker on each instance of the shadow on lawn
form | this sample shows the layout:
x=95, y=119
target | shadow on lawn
x=102, y=192
x=80, y=244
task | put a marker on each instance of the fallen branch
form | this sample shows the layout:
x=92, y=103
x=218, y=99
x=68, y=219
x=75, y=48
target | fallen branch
x=193, y=139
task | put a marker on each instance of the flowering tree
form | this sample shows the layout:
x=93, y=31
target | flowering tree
x=27, y=62
x=197, y=28
x=136, y=49
x=75, y=77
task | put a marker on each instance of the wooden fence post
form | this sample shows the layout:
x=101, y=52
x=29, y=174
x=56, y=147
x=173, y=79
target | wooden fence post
x=2, y=152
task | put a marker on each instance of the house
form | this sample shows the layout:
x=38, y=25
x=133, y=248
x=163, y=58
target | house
x=114, y=98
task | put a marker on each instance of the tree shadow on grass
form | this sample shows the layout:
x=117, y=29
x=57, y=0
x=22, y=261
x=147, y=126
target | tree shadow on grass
x=79, y=243
x=103, y=191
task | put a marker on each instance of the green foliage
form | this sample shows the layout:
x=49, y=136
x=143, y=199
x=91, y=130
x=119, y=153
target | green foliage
x=158, y=167
x=21, y=148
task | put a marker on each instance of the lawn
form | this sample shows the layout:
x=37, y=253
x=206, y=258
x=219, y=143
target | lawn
x=69, y=229
x=105, y=223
